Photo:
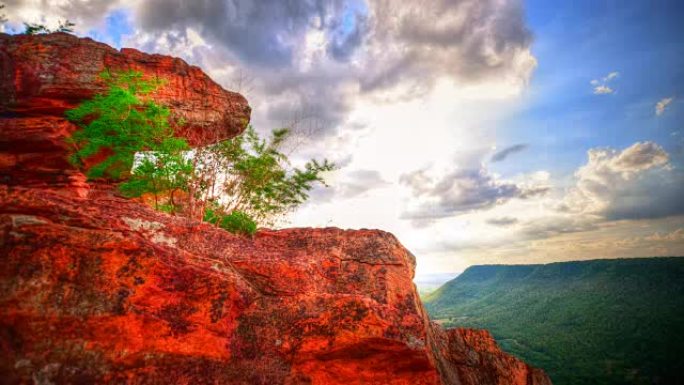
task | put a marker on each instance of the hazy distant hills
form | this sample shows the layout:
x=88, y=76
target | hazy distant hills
x=591, y=322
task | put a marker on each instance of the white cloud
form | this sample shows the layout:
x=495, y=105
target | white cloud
x=662, y=105
x=471, y=41
x=602, y=90
x=637, y=182
x=459, y=191
x=601, y=87
x=611, y=76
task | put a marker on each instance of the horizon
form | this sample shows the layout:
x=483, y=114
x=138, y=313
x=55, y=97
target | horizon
x=484, y=133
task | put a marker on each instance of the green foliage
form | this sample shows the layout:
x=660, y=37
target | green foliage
x=234, y=184
x=121, y=123
x=166, y=170
x=236, y=222
x=592, y=322
x=35, y=28
x=258, y=178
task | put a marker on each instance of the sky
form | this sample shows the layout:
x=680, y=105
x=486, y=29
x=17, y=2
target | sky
x=476, y=131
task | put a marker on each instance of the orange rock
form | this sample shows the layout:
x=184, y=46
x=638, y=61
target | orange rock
x=470, y=356
x=41, y=76
x=103, y=289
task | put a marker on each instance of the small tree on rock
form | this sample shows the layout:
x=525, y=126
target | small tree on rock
x=236, y=184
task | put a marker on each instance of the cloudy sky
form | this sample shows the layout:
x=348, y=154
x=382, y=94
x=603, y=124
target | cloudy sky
x=477, y=131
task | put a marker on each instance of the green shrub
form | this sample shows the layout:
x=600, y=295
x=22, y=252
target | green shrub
x=123, y=122
x=237, y=222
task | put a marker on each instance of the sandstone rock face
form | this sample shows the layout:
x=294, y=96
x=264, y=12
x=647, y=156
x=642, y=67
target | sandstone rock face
x=104, y=290
x=41, y=76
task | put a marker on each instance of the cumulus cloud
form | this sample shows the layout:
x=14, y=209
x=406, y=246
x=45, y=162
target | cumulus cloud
x=466, y=39
x=601, y=85
x=461, y=191
x=504, y=153
x=637, y=182
x=662, y=105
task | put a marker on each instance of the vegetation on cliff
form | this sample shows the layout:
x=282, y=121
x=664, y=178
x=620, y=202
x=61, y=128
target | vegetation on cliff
x=236, y=184
x=592, y=322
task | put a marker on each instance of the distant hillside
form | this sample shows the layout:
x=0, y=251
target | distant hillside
x=590, y=322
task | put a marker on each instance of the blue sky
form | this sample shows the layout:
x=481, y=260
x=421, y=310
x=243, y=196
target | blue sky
x=578, y=41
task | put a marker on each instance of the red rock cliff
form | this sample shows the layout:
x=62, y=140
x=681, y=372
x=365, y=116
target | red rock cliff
x=42, y=76
x=98, y=289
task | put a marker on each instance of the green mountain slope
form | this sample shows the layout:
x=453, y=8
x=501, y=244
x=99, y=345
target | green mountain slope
x=590, y=322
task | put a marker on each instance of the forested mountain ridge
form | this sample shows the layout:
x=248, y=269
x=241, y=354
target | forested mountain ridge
x=588, y=322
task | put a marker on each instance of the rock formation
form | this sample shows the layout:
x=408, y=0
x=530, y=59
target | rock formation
x=95, y=288
x=41, y=76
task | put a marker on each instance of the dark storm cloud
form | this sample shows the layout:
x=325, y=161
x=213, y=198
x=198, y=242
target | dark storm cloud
x=461, y=191
x=265, y=32
x=503, y=154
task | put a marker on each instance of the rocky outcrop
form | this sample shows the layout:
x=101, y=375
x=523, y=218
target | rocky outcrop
x=471, y=356
x=41, y=76
x=105, y=290
x=95, y=288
